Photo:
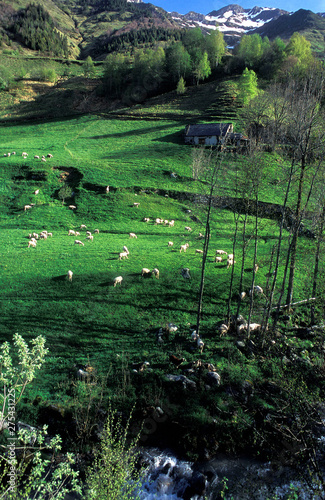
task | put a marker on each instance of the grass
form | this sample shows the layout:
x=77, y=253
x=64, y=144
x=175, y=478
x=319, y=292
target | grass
x=89, y=320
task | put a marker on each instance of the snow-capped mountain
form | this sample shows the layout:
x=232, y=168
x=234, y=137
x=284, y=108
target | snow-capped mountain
x=232, y=20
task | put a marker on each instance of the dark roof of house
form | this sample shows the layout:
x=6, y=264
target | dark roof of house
x=207, y=129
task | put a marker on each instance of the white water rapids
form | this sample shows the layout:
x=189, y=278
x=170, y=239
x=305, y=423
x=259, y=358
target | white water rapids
x=169, y=478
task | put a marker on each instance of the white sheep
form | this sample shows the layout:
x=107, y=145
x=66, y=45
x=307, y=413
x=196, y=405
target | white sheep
x=96, y=231
x=136, y=205
x=78, y=242
x=35, y=235
x=90, y=237
x=231, y=256
x=184, y=247
x=188, y=228
x=123, y=255
x=83, y=226
x=77, y=233
x=254, y=326
x=155, y=272
x=72, y=207
x=43, y=236
x=24, y=154
x=158, y=221
x=170, y=243
x=171, y=223
x=145, y=272
x=49, y=155
x=88, y=232
x=71, y=232
x=198, y=251
x=32, y=243
x=36, y=192
x=107, y=189
x=230, y=262
x=146, y=219
x=27, y=207
x=50, y=234
x=218, y=259
x=125, y=249
x=43, y=159
x=69, y=275
x=194, y=336
x=117, y=280
x=257, y=289
x=221, y=252
x=132, y=235
x=199, y=344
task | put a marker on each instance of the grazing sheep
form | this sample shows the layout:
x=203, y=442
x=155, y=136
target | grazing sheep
x=43, y=159
x=256, y=268
x=136, y=205
x=170, y=243
x=50, y=234
x=198, y=251
x=171, y=223
x=36, y=192
x=132, y=235
x=90, y=237
x=123, y=255
x=71, y=232
x=242, y=295
x=83, y=226
x=146, y=219
x=96, y=231
x=125, y=249
x=32, y=243
x=88, y=232
x=257, y=289
x=36, y=157
x=231, y=256
x=158, y=221
x=24, y=153
x=187, y=228
x=43, y=236
x=49, y=155
x=199, y=344
x=77, y=233
x=218, y=259
x=35, y=235
x=27, y=207
x=230, y=262
x=155, y=273
x=78, y=242
x=201, y=236
x=186, y=273
x=145, y=272
x=184, y=247
x=175, y=360
x=117, y=280
x=194, y=336
x=223, y=329
x=69, y=275
x=72, y=207
x=221, y=252
x=172, y=328
x=107, y=189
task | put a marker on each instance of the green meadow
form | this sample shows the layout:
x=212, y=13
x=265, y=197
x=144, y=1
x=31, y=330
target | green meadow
x=89, y=320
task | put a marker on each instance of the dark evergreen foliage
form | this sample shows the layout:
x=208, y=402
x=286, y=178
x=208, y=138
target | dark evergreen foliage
x=145, y=36
x=36, y=30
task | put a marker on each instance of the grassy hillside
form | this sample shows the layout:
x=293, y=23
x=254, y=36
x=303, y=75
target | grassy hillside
x=95, y=142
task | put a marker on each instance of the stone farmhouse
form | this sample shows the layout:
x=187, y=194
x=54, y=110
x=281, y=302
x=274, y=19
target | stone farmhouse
x=214, y=134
